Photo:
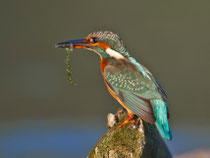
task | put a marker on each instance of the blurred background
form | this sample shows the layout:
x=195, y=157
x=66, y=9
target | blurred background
x=42, y=115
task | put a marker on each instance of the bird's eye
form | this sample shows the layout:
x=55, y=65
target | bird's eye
x=94, y=39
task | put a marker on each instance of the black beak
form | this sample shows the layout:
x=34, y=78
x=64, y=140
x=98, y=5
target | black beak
x=79, y=43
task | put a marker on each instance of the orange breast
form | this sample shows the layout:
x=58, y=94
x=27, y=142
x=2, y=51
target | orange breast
x=103, y=65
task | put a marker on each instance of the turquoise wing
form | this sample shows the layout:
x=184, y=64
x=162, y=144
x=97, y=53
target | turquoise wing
x=148, y=76
x=139, y=91
x=127, y=78
x=130, y=86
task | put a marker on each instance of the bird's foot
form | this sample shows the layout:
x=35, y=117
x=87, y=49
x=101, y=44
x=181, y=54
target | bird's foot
x=129, y=119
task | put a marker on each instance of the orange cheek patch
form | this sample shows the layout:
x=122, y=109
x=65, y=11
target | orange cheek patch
x=101, y=45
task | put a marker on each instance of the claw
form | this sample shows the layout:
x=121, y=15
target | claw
x=127, y=120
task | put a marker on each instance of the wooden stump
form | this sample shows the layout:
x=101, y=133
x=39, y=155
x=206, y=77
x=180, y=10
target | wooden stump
x=138, y=140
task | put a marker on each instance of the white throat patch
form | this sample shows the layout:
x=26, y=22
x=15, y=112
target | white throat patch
x=114, y=53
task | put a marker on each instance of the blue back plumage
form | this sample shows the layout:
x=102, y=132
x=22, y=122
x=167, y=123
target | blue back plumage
x=160, y=112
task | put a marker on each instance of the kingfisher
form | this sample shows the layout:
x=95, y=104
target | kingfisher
x=127, y=80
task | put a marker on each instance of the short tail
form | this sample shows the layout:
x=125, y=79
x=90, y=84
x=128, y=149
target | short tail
x=160, y=112
x=163, y=132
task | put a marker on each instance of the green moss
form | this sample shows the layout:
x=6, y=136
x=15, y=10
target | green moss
x=118, y=139
x=92, y=153
x=68, y=69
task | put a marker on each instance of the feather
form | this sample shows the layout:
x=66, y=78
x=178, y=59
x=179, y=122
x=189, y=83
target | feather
x=139, y=106
x=161, y=117
x=135, y=103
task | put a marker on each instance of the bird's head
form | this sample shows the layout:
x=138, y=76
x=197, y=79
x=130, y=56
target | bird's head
x=105, y=43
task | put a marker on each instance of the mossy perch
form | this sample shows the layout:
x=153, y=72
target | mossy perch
x=138, y=140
